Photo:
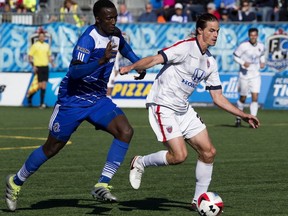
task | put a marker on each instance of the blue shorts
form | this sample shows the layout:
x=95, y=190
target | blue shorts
x=65, y=120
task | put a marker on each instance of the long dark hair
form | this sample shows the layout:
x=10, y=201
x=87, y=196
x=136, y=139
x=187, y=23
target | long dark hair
x=202, y=21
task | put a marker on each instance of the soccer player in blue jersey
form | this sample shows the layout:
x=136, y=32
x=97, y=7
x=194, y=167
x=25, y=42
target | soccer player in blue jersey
x=82, y=96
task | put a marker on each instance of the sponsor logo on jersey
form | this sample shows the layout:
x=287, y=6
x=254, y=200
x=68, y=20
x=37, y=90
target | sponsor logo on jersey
x=198, y=75
x=277, y=50
x=83, y=50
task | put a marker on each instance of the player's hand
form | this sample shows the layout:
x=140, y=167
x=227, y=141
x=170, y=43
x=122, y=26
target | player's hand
x=251, y=120
x=246, y=64
x=109, y=53
x=142, y=74
x=125, y=70
x=35, y=69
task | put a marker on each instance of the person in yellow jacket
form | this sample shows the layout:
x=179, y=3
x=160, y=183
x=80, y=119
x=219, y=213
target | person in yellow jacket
x=30, y=5
x=39, y=57
x=71, y=13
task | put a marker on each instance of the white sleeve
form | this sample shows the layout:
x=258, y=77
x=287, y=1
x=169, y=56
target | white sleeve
x=262, y=57
x=177, y=53
x=238, y=53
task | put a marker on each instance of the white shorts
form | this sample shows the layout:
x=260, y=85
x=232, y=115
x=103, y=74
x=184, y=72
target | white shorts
x=249, y=85
x=168, y=124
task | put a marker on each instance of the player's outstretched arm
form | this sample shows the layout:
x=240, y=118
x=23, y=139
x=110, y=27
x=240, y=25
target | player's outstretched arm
x=223, y=103
x=143, y=64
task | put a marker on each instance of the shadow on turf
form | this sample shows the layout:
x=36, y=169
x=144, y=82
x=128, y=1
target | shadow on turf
x=152, y=204
x=100, y=208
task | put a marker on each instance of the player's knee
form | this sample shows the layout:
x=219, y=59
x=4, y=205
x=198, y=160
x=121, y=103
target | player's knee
x=126, y=133
x=208, y=156
x=178, y=158
x=52, y=146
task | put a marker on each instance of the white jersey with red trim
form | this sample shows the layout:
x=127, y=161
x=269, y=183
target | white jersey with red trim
x=185, y=66
x=253, y=54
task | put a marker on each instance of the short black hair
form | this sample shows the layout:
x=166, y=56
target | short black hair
x=102, y=4
x=252, y=30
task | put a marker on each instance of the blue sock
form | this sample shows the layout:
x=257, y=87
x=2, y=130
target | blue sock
x=34, y=161
x=114, y=159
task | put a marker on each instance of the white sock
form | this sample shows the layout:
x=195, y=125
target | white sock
x=203, y=178
x=240, y=105
x=155, y=159
x=254, y=108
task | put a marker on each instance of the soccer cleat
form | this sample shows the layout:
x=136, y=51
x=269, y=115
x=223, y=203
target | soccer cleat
x=101, y=191
x=238, y=122
x=193, y=206
x=136, y=172
x=42, y=106
x=12, y=193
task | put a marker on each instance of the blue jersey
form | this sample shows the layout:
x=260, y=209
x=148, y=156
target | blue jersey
x=90, y=47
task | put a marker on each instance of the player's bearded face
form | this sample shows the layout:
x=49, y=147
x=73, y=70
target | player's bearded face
x=210, y=33
x=106, y=20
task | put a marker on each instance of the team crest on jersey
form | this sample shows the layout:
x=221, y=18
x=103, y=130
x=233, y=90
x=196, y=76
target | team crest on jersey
x=277, y=50
x=56, y=127
x=169, y=129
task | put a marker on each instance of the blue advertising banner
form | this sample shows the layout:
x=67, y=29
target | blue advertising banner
x=51, y=91
x=128, y=92
x=230, y=89
x=145, y=39
x=277, y=97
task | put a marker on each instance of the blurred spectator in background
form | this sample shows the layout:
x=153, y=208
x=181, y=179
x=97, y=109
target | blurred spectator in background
x=196, y=8
x=168, y=9
x=124, y=16
x=244, y=14
x=7, y=16
x=71, y=13
x=224, y=15
x=39, y=57
x=149, y=15
x=265, y=9
x=211, y=9
x=283, y=10
x=157, y=4
x=160, y=17
x=229, y=4
x=169, y=3
x=29, y=5
x=2, y=4
x=179, y=16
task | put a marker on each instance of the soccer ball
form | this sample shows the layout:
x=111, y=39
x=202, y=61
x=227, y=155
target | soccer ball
x=210, y=204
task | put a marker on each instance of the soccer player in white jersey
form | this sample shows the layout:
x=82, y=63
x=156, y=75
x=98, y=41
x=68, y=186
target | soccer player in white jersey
x=250, y=56
x=174, y=121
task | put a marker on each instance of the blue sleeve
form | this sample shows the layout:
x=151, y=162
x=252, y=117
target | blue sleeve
x=83, y=49
x=78, y=71
x=127, y=52
x=79, y=66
